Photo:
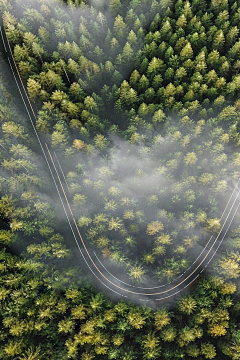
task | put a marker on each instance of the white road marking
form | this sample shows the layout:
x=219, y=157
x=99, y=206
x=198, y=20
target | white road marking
x=3, y=40
x=224, y=235
x=166, y=297
x=61, y=171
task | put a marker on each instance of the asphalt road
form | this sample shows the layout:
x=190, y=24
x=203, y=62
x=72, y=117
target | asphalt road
x=110, y=280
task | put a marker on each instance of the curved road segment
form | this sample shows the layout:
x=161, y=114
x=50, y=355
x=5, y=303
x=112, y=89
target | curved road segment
x=107, y=279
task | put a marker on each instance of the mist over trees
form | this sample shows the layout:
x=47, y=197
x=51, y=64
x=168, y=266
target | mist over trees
x=140, y=102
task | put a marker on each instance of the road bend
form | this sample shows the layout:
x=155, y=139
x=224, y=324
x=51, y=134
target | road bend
x=156, y=292
x=92, y=261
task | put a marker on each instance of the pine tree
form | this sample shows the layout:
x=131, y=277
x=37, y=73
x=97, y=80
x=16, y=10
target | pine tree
x=119, y=27
x=182, y=21
x=132, y=38
x=33, y=88
x=186, y=52
x=187, y=305
x=127, y=53
x=115, y=7
x=158, y=116
x=219, y=40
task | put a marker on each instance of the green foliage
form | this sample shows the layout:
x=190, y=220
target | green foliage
x=184, y=68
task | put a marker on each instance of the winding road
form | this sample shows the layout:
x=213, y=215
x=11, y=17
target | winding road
x=102, y=274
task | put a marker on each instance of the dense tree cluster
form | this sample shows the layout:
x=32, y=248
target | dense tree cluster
x=189, y=60
x=77, y=65
x=28, y=215
x=42, y=320
x=161, y=78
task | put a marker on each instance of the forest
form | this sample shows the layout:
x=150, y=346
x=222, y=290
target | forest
x=139, y=104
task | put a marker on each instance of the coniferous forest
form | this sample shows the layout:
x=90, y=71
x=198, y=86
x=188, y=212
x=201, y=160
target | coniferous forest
x=138, y=105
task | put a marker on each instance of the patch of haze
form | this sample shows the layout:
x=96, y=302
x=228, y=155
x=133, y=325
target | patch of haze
x=122, y=161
